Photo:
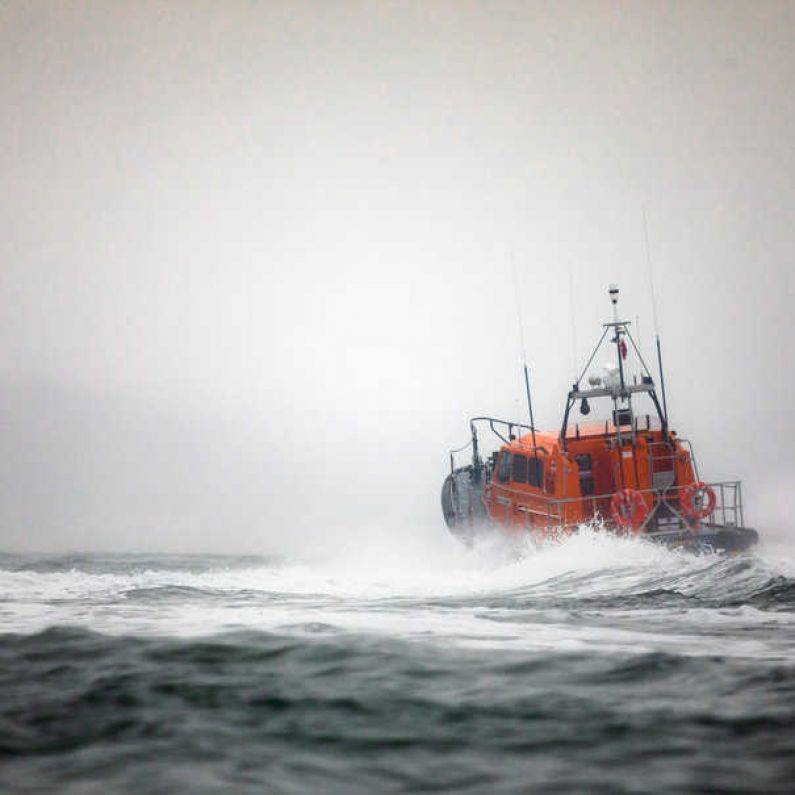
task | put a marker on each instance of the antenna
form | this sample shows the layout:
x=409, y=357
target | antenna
x=637, y=331
x=613, y=291
x=651, y=275
x=573, y=324
x=524, y=353
x=654, y=317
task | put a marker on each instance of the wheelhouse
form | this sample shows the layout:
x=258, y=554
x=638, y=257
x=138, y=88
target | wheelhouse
x=628, y=469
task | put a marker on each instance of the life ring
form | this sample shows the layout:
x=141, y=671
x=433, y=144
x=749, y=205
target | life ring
x=629, y=509
x=697, y=501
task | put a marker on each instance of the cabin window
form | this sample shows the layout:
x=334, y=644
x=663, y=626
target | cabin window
x=535, y=472
x=504, y=467
x=622, y=417
x=519, y=471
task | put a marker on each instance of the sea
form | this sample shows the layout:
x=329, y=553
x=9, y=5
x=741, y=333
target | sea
x=592, y=664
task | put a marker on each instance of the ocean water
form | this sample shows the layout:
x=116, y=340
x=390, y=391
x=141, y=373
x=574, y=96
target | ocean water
x=596, y=664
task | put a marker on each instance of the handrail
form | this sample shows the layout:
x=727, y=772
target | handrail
x=609, y=495
x=728, y=503
x=473, y=442
x=461, y=449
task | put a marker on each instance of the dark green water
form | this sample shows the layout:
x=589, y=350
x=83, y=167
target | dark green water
x=599, y=666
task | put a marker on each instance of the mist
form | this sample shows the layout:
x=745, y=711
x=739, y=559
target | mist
x=256, y=258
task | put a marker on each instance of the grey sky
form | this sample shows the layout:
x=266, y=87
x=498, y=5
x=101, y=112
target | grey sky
x=255, y=257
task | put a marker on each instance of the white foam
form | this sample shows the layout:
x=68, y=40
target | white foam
x=502, y=594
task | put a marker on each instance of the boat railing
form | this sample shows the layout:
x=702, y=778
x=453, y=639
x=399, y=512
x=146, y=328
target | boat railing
x=662, y=456
x=641, y=423
x=689, y=447
x=510, y=428
x=537, y=509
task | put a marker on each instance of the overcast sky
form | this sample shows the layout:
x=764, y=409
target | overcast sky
x=255, y=257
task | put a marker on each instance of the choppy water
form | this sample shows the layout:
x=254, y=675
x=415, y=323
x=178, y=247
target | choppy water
x=598, y=665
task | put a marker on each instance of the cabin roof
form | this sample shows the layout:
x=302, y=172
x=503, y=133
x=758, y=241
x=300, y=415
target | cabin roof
x=590, y=429
x=547, y=439
x=551, y=439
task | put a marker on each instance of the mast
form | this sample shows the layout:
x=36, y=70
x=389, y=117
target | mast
x=524, y=355
x=662, y=384
x=656, y=325
x=613, y=290
x=619, y=390
x=530, y=408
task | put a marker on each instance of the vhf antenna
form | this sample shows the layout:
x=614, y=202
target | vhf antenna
x=613, y=291
x=654, y=316
x=573, y=324
x=524, y=354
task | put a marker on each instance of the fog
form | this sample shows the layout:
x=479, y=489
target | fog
x=256, y=257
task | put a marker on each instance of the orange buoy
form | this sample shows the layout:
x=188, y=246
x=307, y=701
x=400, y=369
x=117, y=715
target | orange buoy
x=629, y=509
x=697, y=501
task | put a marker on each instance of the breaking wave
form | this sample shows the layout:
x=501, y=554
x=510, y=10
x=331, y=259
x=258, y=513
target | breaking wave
x=595, y=663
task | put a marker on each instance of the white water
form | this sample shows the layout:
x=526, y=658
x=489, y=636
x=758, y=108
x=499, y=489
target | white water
x=498, y=595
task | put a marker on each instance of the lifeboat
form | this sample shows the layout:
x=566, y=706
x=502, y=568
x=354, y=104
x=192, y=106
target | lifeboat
x=628, y=473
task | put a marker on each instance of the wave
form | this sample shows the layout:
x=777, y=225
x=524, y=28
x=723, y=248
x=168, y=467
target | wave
x=85, y=699
x=591, y=590
x=398, y=667
x=583, y=565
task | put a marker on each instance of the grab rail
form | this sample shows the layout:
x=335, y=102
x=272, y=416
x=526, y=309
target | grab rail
x=665, y=513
